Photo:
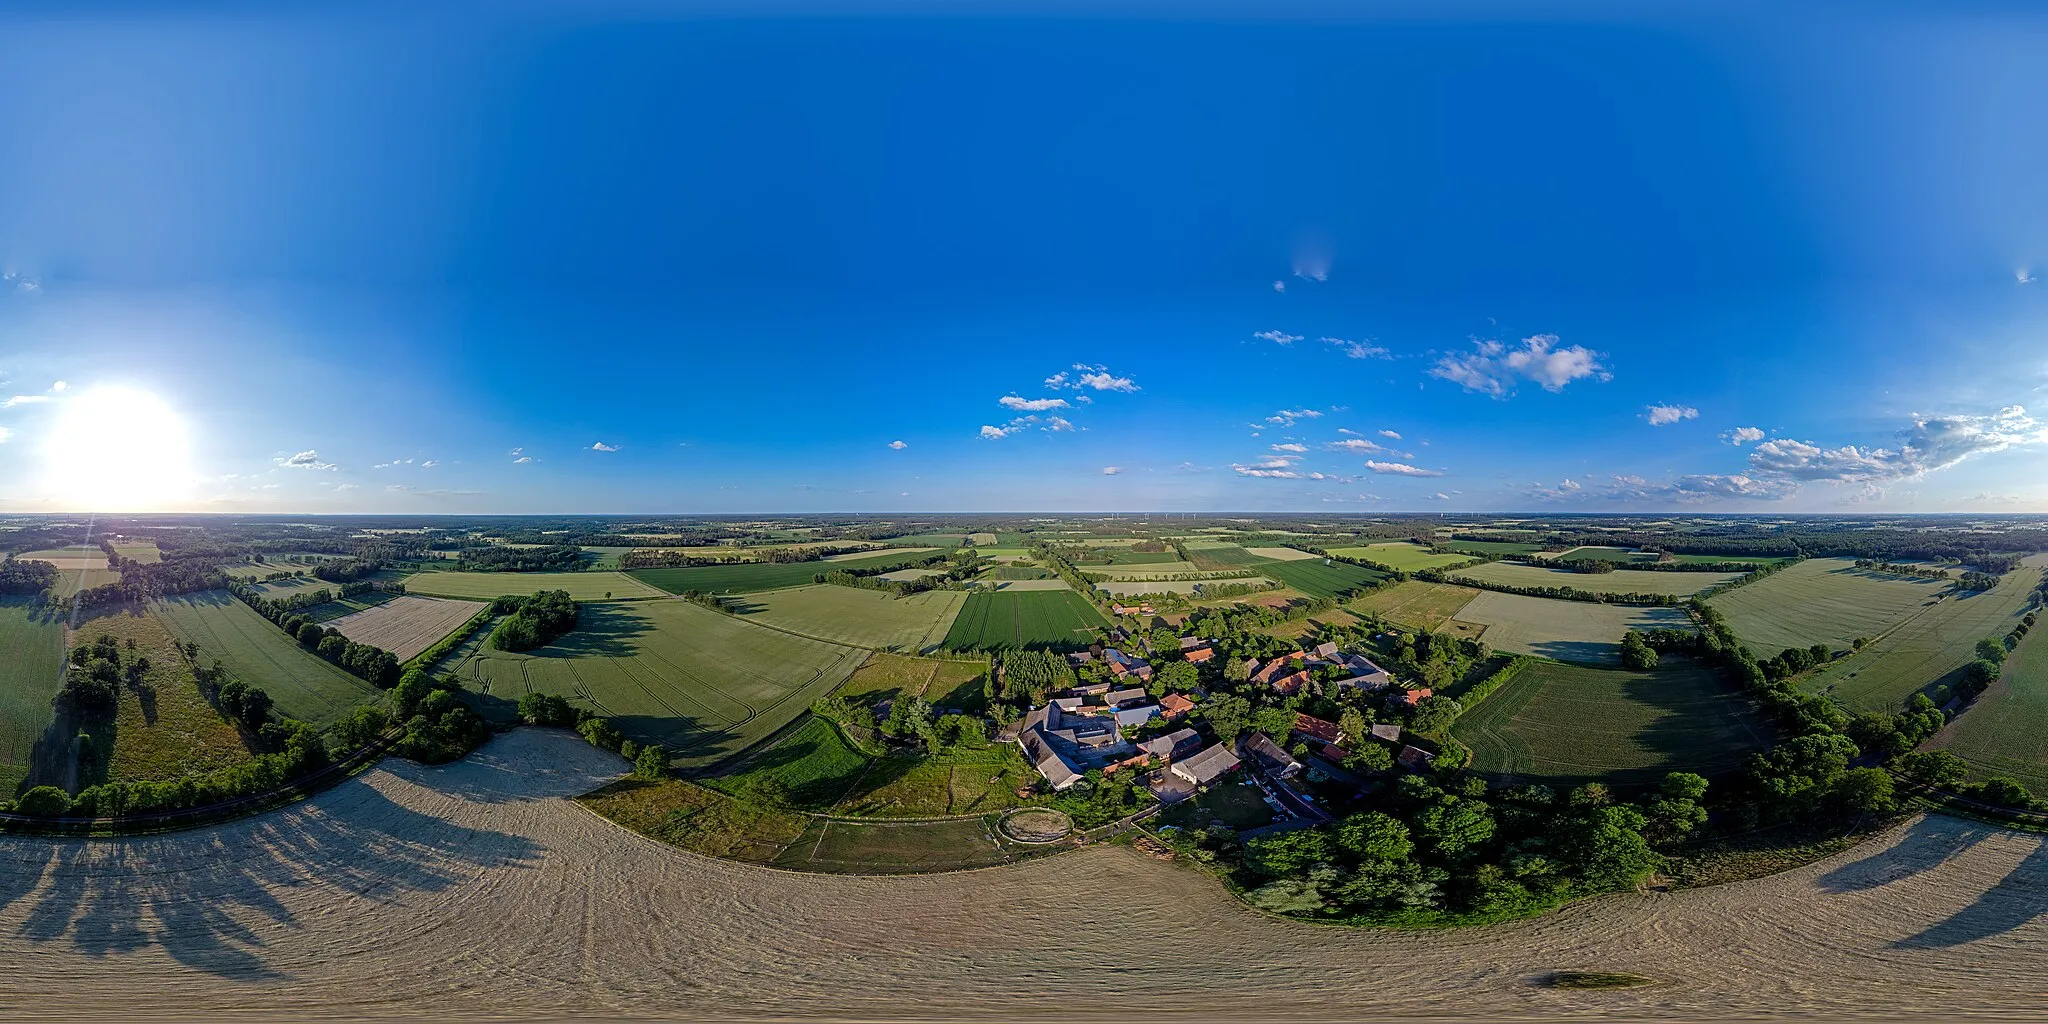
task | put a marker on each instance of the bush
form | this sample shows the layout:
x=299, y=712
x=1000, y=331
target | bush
x=601, y=734
x=652, y=763
x=546, y=709
x=44, y=802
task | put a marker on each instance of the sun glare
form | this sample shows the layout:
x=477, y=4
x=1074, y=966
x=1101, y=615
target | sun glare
x=117, y=449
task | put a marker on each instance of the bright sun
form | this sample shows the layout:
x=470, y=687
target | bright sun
x=117, y=449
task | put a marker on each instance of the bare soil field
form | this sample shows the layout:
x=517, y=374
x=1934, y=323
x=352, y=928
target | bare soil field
x=405, y=626
x=477, y=889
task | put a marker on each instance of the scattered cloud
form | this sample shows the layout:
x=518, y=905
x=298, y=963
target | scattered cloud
x=308, y=459
x=1743, y=435
x=1355, y=444
x=398, y=488
x=59, y=388
x=430, y=463
x=898, y=445
x=1057, y=380
x=1439, y=496
x=1112, y=470
x=346, y=487
x=1280, y=286
x=603, y=447
x=1493, y=368
x=1101, y=380
x=1273, y=469
x=516, y=452
x=1290, y=447
x=5, y=434
x=994, y=433
x=1390, y=434
x=1277, y=337
x=1399, y=469
x=24, y=400
x=1288, y=417
x=1358, y=349
x=1058, y=425
x=522, y=460
x=2024, y=276
x=1660, y=415
x=1031, y=404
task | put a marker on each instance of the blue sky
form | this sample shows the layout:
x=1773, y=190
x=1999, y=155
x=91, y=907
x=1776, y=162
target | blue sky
x=592, y=259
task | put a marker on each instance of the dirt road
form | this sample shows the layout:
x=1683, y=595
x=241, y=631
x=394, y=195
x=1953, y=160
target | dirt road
x=475, y=889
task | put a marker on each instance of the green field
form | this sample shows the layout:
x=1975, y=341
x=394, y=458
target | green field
x=79, y=567
x=747, y=577
x=705, y=684
x=1417, y=604
x=2005, y=732
x=293, y=587
x=1712, y=559
x=1595, y=553
x=995, y=620
x=1930, y=648
x=259, y=654
x=861, y=618
x=1150, y=571
x=812, y=765
x=946, y=682
x=348, y=605
x=927, y=540
x=880, y=848
x=1620, y=581
x=1401, y=555
x=1228, y=556
x=1820, y=601
x=606, y=557
x=1018, y=572
x=1561, y=725
x=31, y=672
x=139, y=551
x=483, y=586
x=1316, y=579
x=1493, y=547
x=1579, y=631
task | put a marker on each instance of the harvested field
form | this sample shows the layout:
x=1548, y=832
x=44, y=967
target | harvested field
x=1317, y=579
x=704, y=684
x=1283, y=554
x=484, y=870
x=484, y=586
x=892, y=551
x=1135, y=588
x=31, y=673
x=79, y=567
x=1563, y=725
x=1011, y=618
x=1141, y=571
x=1417, y=604
x=1578, y=631
x=1620, y=581
x=910, y=575
x=861, y=618
x=1402, y=555
x=282, y=589
x=407, y=625
x=1595, y=553
x=749, y=577
x=1820, y=601
x=1930, y=649
x=258, y=653
x=2005, y=730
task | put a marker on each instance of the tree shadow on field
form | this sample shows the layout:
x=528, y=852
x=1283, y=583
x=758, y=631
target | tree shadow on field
x=1928, y=844
x=602, y=631
x=2018, y=899
x=215, y=899
x=1597, y=653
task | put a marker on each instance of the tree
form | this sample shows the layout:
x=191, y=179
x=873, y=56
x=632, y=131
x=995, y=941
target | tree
x=1174, y=676
x=1636, y=652
x=1453, y=829
x=1434, y=714
x=1228, y=715
x=1992, y=651
x=1274, y=722
x=1374, y=836
x=1288, y=853
x=1370, y=757
x=310, y=635
x=44, y=802
x=362, y=726
x=652, y=763
x=1937, y=768
x=1864, y=791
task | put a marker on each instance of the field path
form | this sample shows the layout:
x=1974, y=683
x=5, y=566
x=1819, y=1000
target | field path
x=475, y=888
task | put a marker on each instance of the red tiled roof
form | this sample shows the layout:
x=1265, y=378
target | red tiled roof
x=1311, y=726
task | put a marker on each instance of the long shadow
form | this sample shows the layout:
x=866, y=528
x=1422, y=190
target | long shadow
x=602, y=631
x=1929, y=844
x=1599, y=653
x=207, y=899
x=2018, y=899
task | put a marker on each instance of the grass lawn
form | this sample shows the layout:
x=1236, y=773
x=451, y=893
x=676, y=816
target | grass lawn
x=946, y=682
x=31, y=673
x=1562, y=725
x=1620, y=581
x=1234, y=802
x=1821, y=601
x=1930, y=648
x=704, y=684
x=606, y=557
x=861, y=618
x=1316, y=579
x=1579, y=631
x=994, y=620
x=1401, y=555
x=258, y=653
x=2005, y=731
x=483, y=586
x=1417, y=604
x=747, y=577
x=812, y=766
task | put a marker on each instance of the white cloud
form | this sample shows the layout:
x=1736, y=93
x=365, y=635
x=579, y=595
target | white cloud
x=308, y=459
x=898, y=445
x=1277, y=337
x=59, y=388
x=522, y=460
x=1355, y=444
x=1390, y=434
x=1057, y=380
x=1111, y=470
x=1660, y=415
x=1439, y=496
x=603, y=447
x=1031, y=404
x=1267, y=470
x=1743, y=435
x=1931, y=444
x=430, y=463
x=1569, y=485
x=516, y=452
x=1493, y=368
x=1290, y=447
x=994, y=433
x=1399, y=469
x=5, y=434
x=1287, y=417
x=1280, y=286
x=1102, y=381
x=346, y=487
x=24, y=400
x=1058, y=425
x=1358, y=349
x=2024, y=276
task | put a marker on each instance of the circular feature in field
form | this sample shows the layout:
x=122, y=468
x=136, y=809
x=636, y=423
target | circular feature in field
x=1036, y=825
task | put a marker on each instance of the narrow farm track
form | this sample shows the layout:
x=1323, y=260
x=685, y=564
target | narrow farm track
x=475, y=887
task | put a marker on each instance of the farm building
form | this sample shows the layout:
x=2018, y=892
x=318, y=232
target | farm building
x=1172, y=746
x=1386, y=731
x=1207, y=766
x=1364, y=674
x=1189, y=643
x=1415, y=759
x=1412, y=697
x=1116, y=697
x=1289, y=685
x=1271, y=756
x=1199, y=655
x=1063, y=746
x=1173, y=705
x=1135, y=715
x=1318, y=729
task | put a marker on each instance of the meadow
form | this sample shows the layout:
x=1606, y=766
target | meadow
x=407, y=625
x=946, y=682
x=860, y=618
x=1562, y=725
x=1620, y=581
x=169, y=728
x=1820, y=601
x=1565, y=630
x=280, y=589
x=1493, y=547
x=995, y=620
x=1400, y=555
x=139, y=551
x=325, y=613
x=483, y=586
x=258, y=653
x=1595, y=553
x=911, y=847
x=1929, y=649
x=30, y=675
x=705, y=684
x=1317, y=579
x=79, y=567
x=1138, y=587
x=1417, y=604
x=1223, y=557
x=747, y=577
x=2005, y=731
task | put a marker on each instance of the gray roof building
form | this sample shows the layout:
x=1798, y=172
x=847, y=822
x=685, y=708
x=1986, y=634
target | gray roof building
x=1207, y=766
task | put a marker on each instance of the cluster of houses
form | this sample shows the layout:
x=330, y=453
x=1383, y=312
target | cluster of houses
x=1289, y=674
